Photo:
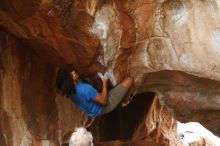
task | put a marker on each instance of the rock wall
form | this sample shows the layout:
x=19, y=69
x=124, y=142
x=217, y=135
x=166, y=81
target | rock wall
x=31, y=113
x=157, y=128
x=170, y=47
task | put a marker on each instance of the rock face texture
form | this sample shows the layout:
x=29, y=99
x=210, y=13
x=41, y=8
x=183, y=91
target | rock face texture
x=156, y=128
x=170, y=47
x=30, y=111
x=159, y=126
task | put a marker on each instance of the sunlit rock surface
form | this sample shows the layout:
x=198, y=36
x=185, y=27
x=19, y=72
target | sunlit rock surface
x=170, y=47
x=202, y=142
x=159, y=126
x=193, y=133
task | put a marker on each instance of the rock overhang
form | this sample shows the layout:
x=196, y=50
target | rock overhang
x=169, y=47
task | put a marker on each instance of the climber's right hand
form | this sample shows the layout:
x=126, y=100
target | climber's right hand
x=103, y=77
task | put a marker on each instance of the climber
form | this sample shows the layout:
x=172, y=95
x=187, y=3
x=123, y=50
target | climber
x=86, y=97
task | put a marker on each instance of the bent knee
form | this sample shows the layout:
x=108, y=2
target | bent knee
x=127, y=83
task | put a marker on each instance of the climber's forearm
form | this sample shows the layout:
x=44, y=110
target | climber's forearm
x=102, y=98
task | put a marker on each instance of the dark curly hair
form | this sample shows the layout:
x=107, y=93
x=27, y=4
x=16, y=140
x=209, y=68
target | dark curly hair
x=64, y=82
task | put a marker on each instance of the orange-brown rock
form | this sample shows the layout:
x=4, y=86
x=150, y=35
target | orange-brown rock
x=170, y=47
x=156, y=127
x=30, y=111
x=128, y=143
x=159, y=126
x=202, y=142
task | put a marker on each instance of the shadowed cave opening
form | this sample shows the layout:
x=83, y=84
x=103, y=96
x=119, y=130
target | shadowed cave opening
x=123, y=121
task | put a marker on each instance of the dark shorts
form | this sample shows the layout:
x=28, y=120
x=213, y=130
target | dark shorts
x=115, y=96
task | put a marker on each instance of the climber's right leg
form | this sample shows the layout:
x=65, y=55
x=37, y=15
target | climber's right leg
x=116, y=95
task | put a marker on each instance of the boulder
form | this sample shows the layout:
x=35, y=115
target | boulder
x=170, y=47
